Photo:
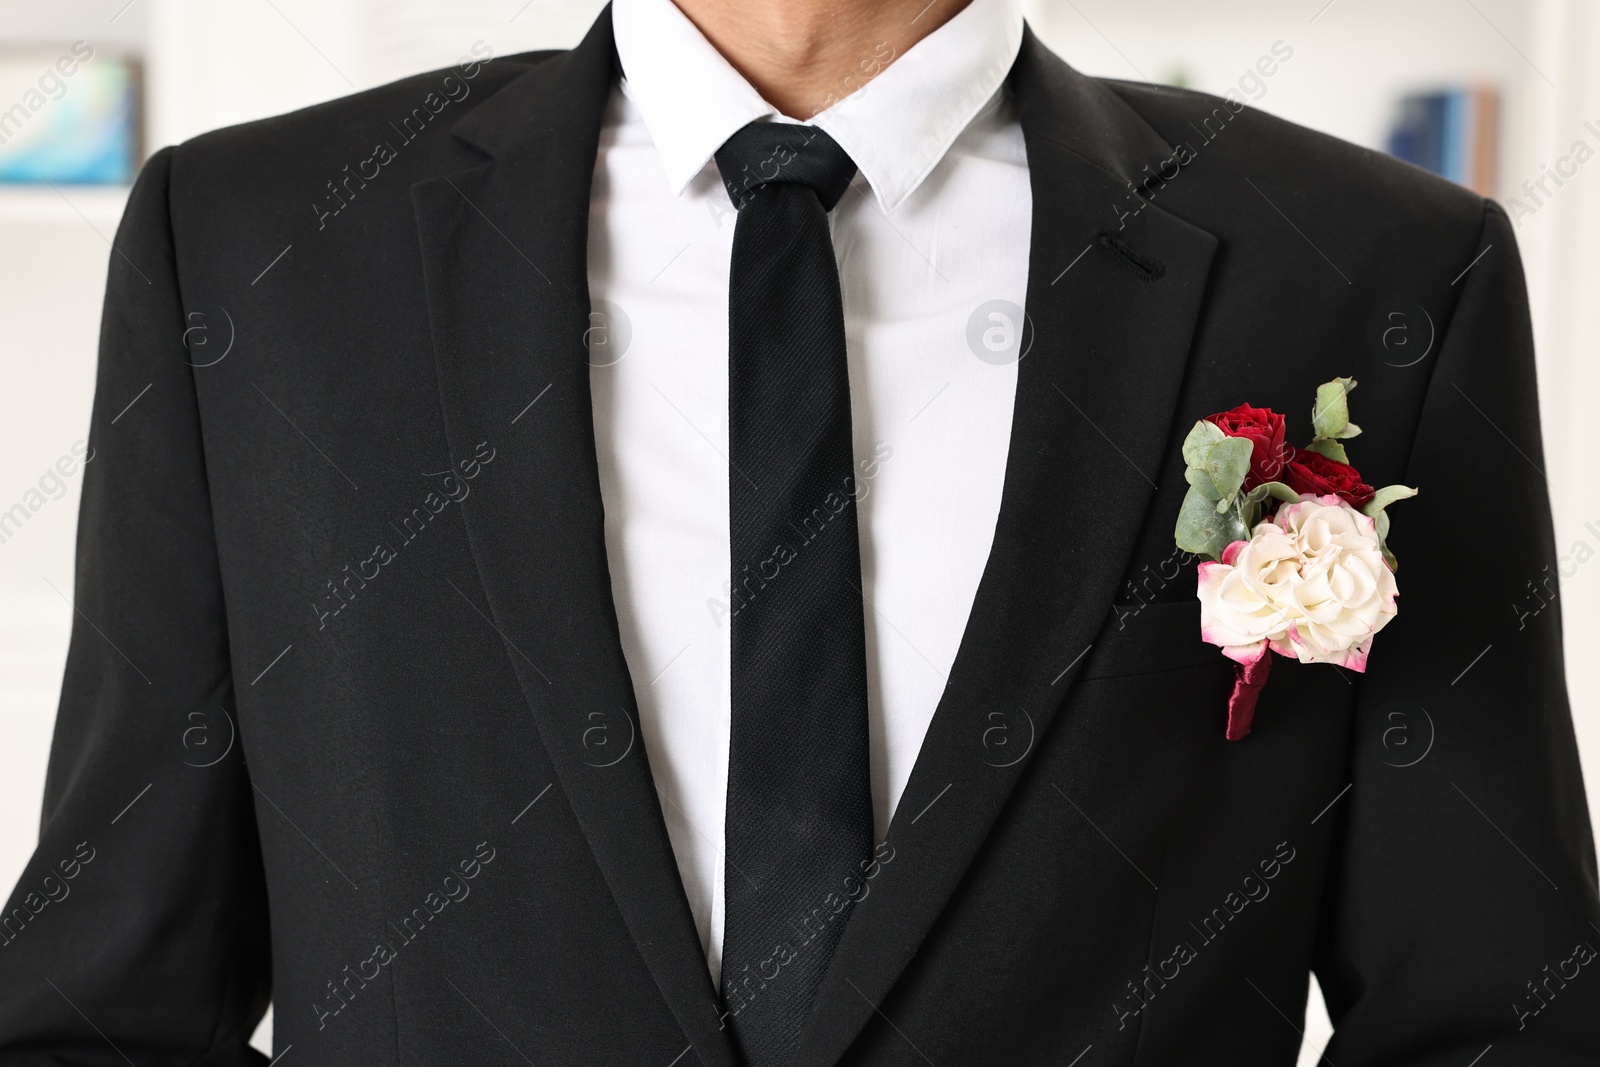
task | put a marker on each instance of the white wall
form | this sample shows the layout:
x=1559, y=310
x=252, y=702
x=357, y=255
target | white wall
x=219, y=62
x=1561, y=244
x=50, y=274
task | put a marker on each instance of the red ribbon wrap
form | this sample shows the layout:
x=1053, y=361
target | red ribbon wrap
x=1247, y=682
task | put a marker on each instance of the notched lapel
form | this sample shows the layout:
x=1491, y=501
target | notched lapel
x=505, y=258
x=1114, y=296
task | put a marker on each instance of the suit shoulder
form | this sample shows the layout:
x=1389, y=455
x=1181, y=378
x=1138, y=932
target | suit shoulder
x=1234, y=142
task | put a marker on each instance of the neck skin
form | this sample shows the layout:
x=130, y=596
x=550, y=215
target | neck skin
x=804, y=56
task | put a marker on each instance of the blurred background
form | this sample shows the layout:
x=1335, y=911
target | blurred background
x=1499, y=95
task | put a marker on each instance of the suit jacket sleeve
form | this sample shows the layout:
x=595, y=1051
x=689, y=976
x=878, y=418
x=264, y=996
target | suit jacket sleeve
x=138, y=929
x=1461, y=908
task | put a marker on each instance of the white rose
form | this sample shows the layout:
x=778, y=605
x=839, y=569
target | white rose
x=1311, y=583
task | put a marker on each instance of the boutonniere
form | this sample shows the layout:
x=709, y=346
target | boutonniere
x=1295, y=543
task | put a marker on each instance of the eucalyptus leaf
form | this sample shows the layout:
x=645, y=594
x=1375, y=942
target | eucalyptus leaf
x=1276, y=490
x=1228, y=463
x=1389, y=494
x=1217, y=464
x=1377, y=507
x=1249, y=508
x=1199, y=441
x=1199, y=479
x=1331, y=417
x=1200, y=529
x=1251, y=504
x=1281, y=492
x=1381, y=521
x=1326, y=446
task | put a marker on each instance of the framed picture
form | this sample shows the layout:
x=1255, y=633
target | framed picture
x=71, y=115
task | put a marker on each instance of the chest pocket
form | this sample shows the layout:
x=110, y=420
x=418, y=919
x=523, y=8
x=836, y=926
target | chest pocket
x=1150, y=638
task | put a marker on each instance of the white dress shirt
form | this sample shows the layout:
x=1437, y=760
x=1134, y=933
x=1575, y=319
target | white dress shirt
x=932, y=245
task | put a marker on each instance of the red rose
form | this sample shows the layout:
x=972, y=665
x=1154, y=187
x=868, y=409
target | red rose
x=1263, y=428
x=1312, y=472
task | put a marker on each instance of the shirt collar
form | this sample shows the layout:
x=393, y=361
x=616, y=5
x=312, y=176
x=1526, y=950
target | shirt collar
x=896, y=127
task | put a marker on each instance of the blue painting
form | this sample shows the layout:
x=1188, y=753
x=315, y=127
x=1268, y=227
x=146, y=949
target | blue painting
x=71, y=118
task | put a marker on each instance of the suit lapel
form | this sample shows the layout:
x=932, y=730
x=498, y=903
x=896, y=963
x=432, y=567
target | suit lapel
x=504, y=251
x=1113, y=303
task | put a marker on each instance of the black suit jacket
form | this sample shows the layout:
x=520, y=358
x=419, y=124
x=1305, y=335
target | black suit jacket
x=346, y=722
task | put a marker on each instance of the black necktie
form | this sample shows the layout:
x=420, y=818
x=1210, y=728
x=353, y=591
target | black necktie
x=799, y=815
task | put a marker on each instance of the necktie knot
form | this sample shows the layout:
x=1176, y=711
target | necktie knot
x=784, y=153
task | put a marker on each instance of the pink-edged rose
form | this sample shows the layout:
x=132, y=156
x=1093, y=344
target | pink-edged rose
x=1314, y=473
x=1264, y=429
x=1311, y=584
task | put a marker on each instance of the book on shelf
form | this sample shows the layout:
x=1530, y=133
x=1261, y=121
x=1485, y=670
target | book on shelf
x=1452, y=132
